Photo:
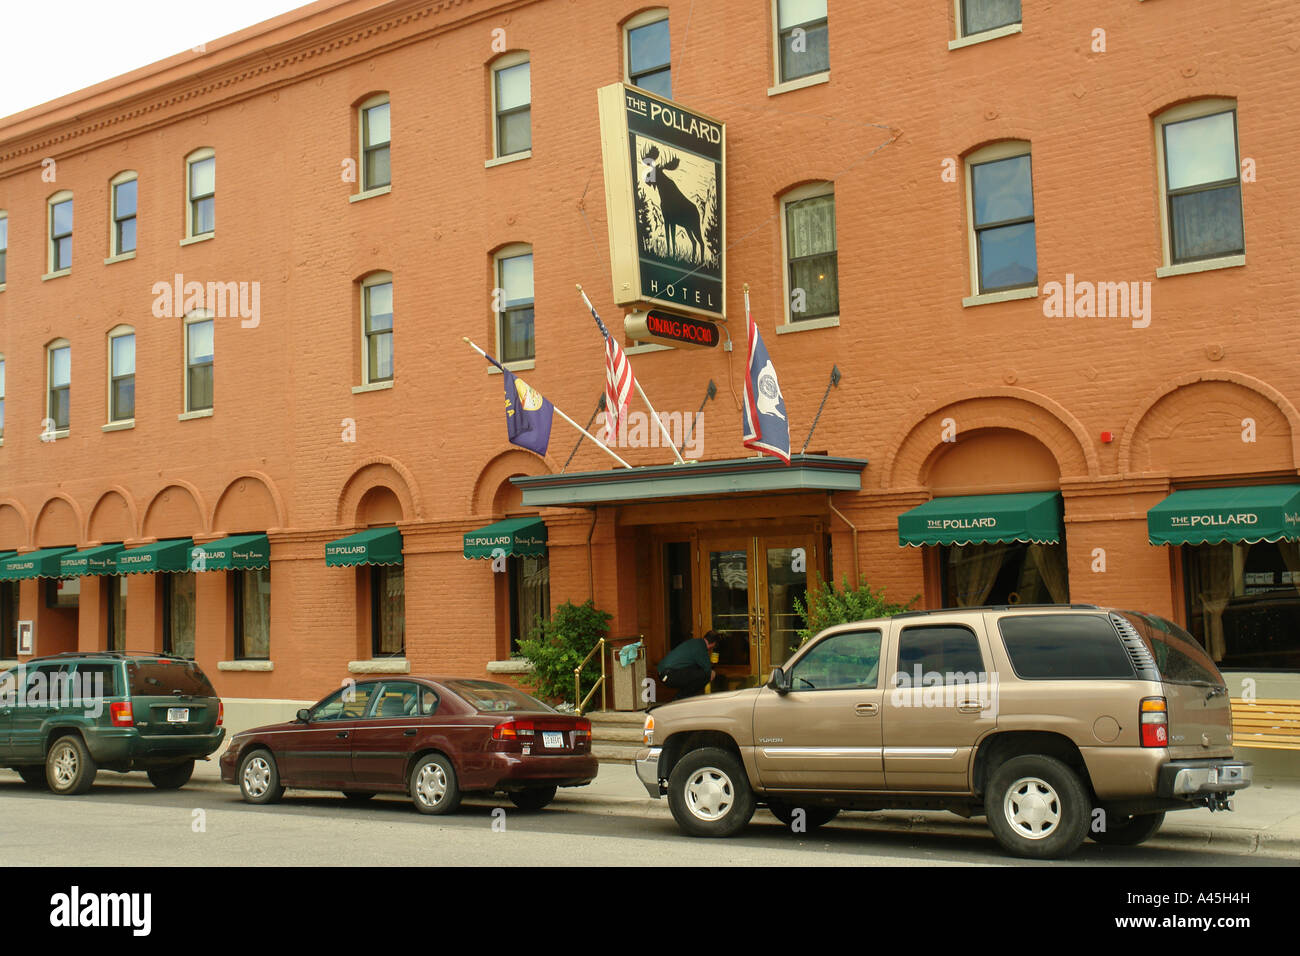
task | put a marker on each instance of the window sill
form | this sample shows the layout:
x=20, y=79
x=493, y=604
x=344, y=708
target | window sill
x=118, y=426
x=120, y=257
x=995, y=34
x=371, y=193
x=56, y=275
x=512, y=158
x=203, y=238
x=245, y=666
x=1010, y=295
x=645, y=347
x=1201, y=265
x=812, y=79
x=512, y=666
x=523, y=365
x=803, y=325
x=2, y=286
x=392, y=665
x=372, y=387
x=190, y=416
x=55, y=435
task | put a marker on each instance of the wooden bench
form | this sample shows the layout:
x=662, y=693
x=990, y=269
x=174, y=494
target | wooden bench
x=1269, y=723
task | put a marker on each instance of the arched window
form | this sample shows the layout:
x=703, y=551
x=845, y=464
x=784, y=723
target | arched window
x=808, y=241
x=201, y=194
x=121, y=215
x=200, y=348
x=375, y=136
x=512, y=96
x=1000, y=223
x=121, y=375
x=647, y=61
x=59, y=222
x=377, y=329
x=58, y=390
x=512, y=299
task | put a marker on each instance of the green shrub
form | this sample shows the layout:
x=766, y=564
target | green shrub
x=557, y=646
x=828, y=605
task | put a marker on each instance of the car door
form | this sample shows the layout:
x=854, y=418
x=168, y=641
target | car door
x=45, y=691
x=8, y=704
x=825, y=732
x=317, y=755
x=941, y=701
x=382, y=743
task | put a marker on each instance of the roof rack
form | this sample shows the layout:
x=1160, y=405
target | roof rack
x=1001, y=607
x=123, y=655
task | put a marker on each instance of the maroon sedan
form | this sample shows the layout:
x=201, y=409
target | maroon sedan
x=434, y=738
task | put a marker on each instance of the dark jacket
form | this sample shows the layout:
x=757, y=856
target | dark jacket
x=692, y=653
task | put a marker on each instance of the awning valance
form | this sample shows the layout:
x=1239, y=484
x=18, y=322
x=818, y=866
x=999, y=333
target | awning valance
x=170, y=556
x=34, y=564
x=92, y=561
x=372, y=546
x=1030, y=517
x=239, y=552
x=1213, y=515
x=517, y=537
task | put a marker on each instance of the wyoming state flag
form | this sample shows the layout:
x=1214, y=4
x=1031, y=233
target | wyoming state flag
x=764, y=425
x=528, y=414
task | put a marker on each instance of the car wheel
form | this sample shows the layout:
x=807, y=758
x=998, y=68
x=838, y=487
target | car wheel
x=259, y=778
x=1132, y=831
x=69, y=768
x=173, y=777
x=1037, y=807
x=33, y=776
x=433, y=785
x=709, y=793
x=534, y=798
x=813, y=817
x=358, y=796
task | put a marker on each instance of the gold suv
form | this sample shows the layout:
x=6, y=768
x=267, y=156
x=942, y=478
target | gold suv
x=1057, y=723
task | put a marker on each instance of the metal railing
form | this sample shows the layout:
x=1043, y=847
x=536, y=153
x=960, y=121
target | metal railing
x=577, y=673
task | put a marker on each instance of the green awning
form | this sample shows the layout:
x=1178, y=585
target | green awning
x=239, y=552
x=372, y=546
x=171, y=556
x=34, y=564
x=1031, y=517
x=515, y=536
x=1213, y=515
x=100, y=560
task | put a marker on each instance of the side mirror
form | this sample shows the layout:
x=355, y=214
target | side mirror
x=304, y=716
x=779, y=682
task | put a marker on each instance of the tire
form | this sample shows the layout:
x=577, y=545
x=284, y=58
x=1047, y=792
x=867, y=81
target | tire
x=1037, y=807
x=173, y=777
x=33, y=776
x=433, y=785
x=1127, y=832
x=259, y=778
x=534, y=798
x=358, y=796
x=69, y=768
x=813, y=817
x=709, y=793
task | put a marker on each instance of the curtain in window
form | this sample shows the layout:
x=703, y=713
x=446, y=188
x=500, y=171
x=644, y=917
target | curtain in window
x=182, y=614
x=534, y=593
x=391, y=598
x=975, y=570
x=1053, y=569
x=812, y=226
x=1207, y=223
x=1290, y=551
x=256, y=596
x=984, y=15
x=1216, y=567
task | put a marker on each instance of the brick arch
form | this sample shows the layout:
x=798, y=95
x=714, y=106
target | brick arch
x=1149, y=419
x=1171, y=88
x=113, y=517
x=250, y=502
x=176, y=511
x=15, y=525
x=58, y=522
x=496, y=474
x=1017, y=409
x=379, y=471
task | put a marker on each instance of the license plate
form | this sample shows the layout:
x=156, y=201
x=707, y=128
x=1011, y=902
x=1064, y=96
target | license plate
x=552, y=738
x=1214, y=775
x=178, y=715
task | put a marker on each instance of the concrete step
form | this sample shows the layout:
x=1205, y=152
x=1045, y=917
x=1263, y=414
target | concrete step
x=615, y=753
x=635, y=717
x=617, y=733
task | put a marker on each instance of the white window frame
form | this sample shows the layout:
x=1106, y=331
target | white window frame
x=504, y=62
x=1003, y=149
x=798, y=194
x=115, y=254
x=198, y=315
x=964, y=39
x=50, y=349
x=1176, y=114
x=643, y=19
x=198, y=156
x=62, y=196
x=511, y=251
x=112, y=423
x=364, y=189
x=4, y=251
x=785, y=86
x=368, y=384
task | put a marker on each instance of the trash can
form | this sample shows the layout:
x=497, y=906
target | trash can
x=628, y=673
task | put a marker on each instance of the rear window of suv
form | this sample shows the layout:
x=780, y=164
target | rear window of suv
x=1178, y=655
x=164, y=678
x=1064, y=647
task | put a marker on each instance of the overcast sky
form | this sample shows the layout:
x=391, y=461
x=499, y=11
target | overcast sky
x=49, y=48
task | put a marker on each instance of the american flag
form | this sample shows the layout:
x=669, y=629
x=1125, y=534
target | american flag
x=619, y=382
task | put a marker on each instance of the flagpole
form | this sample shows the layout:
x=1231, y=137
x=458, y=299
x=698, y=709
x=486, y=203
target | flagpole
x=556, y=408
x=663, y=429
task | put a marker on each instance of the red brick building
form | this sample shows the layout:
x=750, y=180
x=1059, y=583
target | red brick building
x=1048, y=253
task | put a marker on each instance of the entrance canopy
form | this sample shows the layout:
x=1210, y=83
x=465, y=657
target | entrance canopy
x=1213, y=515
x=1031, y=518
x=240, y=552
x=34, y=564
x=171, y=556
x=372, y=546
x=92, y=561
x=517, y=537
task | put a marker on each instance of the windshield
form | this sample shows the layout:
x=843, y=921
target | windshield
x=486, y=695
x=1179, y=656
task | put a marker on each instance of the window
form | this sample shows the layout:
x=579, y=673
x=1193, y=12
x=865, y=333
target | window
x=8, y=620
x=648, y=60
x=4, y=246
x=803, y=42
x=2, y=403
x=1065, y=647
x=375, y=141
x=121, y=374
x=199, y=347
x=1243, y=602
x=63, y=592
x=1000, y=194
x=115, y=612
x=950, y=652
x=60, y=224
x=98, y=681
x=981, y=16
x=377, y=328
x=405, y=699
x=530, y=595
x=387, y=610
x=812, y=271
x=350, y=703
x=512, y=105
x=514, y=300
x=201, y=190
x=59, y=377
x=977, y=575
x=845, y=661
x=252, y=614
x=123, y=202
x=178, y=613
x=1199, y=172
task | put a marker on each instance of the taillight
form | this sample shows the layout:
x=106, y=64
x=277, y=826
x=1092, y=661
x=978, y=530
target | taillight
x=1153, y=722
x=120, y=714
x=648, y=734
x=221, y=713
x=583, y=729
x=513, y=730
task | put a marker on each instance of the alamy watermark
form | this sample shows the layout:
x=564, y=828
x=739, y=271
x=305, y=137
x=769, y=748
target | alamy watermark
x=178, y=299
x=963, y=690
x=52, y=689
x=1103, y=300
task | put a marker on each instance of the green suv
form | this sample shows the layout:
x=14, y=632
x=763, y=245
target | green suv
x=64, y=718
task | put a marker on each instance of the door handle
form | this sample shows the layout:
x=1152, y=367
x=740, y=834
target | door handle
x=866, y=710
x=409, y=732
x=341, y=733
x=969, y=707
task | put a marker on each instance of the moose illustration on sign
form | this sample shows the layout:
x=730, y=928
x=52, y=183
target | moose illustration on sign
x=675, y=209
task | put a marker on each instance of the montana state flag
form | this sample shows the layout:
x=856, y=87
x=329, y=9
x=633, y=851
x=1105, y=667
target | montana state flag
x=764, y=425
x=528, y=414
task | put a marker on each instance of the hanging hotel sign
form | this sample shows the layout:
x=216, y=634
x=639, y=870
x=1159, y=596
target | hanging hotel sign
x=678, y=330
x=664, y=201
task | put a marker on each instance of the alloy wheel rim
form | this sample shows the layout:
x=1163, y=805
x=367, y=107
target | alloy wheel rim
x=1032, y=808
x=431, y=785
x=710, y=794
x=257, y=777
x=65, y=766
